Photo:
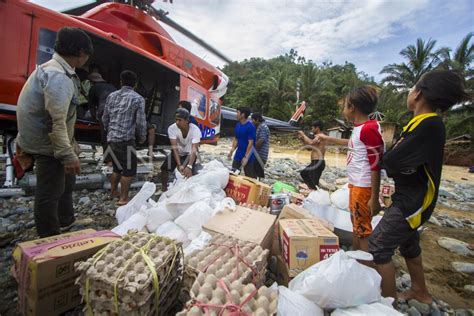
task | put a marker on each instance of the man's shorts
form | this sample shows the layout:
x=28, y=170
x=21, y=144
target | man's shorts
x=361, y=217
x=392, y=232
x=124, y=158
x=170, y=163
x=150, y=126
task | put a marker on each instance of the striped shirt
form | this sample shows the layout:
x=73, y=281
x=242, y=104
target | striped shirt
x=263, y=132
x=124, y=112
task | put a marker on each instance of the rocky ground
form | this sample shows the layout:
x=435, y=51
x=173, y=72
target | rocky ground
x=449, y=264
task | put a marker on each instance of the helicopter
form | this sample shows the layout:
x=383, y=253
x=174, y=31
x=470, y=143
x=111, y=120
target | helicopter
x=126, y=34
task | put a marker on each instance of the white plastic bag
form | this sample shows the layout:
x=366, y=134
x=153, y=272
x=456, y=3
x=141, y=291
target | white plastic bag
x=198, y=243
x=320, y=197
x=339, y=281
x=126, y=211
x=367, y=309
x=136, y=221
x=156, y=216
x=294, y=304
x=172, y=231
x=340, y=198
x=194, y=217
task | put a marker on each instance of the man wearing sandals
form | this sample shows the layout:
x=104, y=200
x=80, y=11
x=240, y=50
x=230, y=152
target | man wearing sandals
x=124, y=117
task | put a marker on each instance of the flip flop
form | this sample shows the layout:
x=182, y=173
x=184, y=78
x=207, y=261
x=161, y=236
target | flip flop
x=119, y=203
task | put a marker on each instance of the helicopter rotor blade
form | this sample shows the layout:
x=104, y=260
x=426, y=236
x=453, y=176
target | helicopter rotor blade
x=161, y=15
x=84, y=8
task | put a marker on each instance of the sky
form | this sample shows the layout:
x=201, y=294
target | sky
x=367, y=33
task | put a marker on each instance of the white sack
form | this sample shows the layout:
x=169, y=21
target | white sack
x=172, y=231
x=194, y=217
x=340, y=198
x=140, y=199
x=293, y=304
x=198, y=243
x=320, y=197
x=156, y=216
x=367, y=309
x=339, y=281
x=136, y=221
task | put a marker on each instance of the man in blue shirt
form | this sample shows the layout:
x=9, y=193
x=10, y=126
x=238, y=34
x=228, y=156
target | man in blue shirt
x=262, y=144
x=244, y=142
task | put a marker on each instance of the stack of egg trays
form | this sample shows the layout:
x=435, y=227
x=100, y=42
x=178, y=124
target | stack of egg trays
x=118, y=276
x=256, y=207
x=219, y=258
x=220, y=297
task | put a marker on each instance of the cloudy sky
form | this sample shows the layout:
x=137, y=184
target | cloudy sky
x=368, y=33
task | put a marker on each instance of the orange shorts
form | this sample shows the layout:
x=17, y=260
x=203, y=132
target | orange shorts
x=360, y=215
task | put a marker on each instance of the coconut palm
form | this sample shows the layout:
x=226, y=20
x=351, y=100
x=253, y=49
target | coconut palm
x=420, y=59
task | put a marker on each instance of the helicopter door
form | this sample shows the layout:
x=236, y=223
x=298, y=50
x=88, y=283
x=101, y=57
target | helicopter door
x=200, y=100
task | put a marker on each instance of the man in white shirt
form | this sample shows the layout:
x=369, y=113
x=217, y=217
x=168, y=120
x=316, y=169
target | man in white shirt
x=184, y=138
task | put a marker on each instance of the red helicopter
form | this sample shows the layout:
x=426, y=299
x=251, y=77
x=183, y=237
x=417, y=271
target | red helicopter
x=126, y=35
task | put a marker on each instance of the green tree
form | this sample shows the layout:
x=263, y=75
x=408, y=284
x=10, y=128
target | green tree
x=421, y=58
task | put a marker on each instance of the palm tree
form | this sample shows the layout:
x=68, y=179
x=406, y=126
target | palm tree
x=420, y=59
x=464, y=54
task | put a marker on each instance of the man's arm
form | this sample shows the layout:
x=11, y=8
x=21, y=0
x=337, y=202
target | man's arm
x=174, y=148
x=141, y=120
x=91, y=99
x=333, y=140
x=57, y=102
x=232, y=149
x=248, y=152
x=306, y=140
x=106, y=116
x=188, y=169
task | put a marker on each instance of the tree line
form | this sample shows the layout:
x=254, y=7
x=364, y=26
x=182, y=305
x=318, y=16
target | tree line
x=275, y=86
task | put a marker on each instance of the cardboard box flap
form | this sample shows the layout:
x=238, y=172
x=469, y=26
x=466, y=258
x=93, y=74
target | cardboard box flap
x=305, y=228
x=243, y=223
x=293, y=211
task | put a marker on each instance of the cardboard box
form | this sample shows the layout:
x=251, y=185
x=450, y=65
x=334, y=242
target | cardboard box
x=244, y=224
x=305, y=242
x=295, y=198
x=247, y=190
x=44, y=269
x=283, y=273
x=293, y=211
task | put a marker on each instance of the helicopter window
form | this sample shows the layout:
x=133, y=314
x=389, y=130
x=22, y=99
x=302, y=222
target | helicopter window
x=198, y=103
x=214, y=112
x=45, y=48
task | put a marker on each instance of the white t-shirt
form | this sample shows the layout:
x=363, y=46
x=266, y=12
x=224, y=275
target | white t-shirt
x=366, y=148
x=185, y=145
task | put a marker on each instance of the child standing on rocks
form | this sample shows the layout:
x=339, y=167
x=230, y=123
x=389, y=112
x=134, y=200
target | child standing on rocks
x=365, y=149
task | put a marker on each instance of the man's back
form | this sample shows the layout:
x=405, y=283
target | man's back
x=124, y=112
x=98, y=95
x=318, y=151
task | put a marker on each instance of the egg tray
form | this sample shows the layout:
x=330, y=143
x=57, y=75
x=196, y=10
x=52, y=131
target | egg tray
x=226, y=256
x=104, y=299
x=256, y=207
x=220, y=297
x=121, y=268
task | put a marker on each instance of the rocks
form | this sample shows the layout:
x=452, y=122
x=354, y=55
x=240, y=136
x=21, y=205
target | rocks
x=455, y=246
x=422, y=308
x=412, y=311
x=463, y=267
x=30, y=224
x=13, y=227
x=84, y=200
x=22, y=210
x=469, y=288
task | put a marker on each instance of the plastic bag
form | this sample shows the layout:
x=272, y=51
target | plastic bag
x=340, y=198
x=320, y=197
x=198, y=243
x=157, y=216
x=136, y=221
x=294, y=304
x=172, y=231
x=194, y=217
x=227, y=202
x=367, y=309
x=339, y=281
x=140, y=199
